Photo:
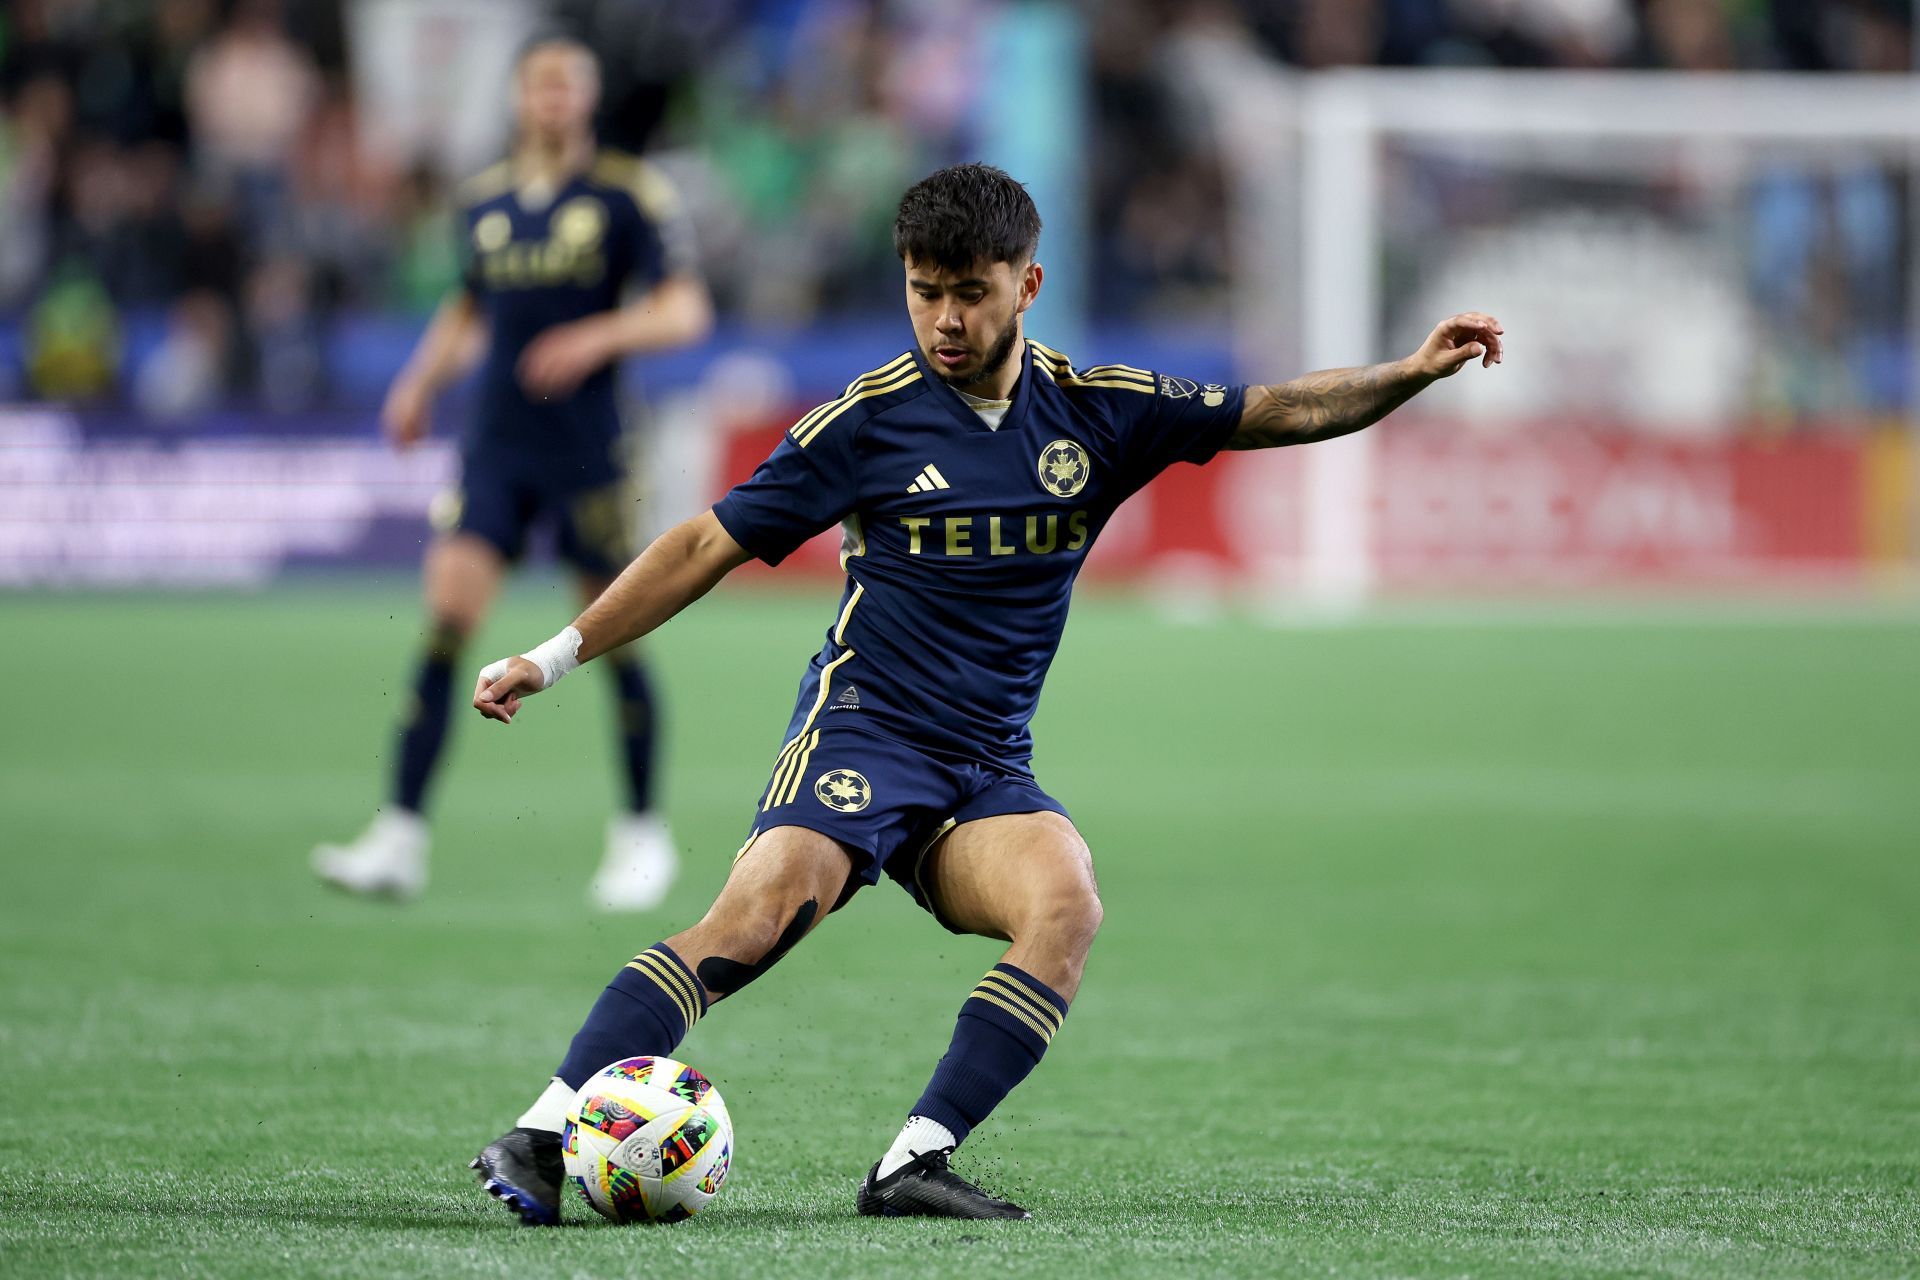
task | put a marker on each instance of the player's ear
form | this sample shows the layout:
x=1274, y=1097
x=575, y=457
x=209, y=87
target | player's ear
x=1030, y=277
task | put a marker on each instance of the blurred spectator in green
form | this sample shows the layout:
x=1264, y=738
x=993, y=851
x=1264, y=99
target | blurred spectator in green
x=73, y=338
x=427, y=261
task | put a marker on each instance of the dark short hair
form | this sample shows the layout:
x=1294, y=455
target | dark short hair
x=964, y=214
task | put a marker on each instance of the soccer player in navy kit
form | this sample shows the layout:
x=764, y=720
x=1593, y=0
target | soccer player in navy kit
x=971, y=475
x=555, y=236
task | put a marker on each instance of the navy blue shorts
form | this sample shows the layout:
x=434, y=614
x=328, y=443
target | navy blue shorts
x=592, y=527
x=887, y=802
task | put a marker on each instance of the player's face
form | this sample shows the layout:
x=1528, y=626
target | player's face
x=559, y=88
x=967, y=322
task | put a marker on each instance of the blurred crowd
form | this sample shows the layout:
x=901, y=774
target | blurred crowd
x=189, y=216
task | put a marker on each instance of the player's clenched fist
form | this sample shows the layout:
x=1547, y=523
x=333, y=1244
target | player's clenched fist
x=502, y=685
x=1457, y=342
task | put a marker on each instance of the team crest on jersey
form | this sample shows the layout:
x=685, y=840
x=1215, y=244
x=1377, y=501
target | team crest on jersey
x=1176, y=388
x=1064, y=468
x=843, y=791
x=492, y=232
x=580, y=222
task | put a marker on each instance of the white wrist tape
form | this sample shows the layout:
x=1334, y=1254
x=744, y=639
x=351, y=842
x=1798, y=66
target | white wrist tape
x=556, y=657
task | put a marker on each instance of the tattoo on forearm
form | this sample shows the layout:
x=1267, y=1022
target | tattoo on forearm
x=1320, y=406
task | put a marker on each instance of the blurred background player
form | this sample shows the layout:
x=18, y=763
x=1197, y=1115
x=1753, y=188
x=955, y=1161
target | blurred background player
x=554, y=235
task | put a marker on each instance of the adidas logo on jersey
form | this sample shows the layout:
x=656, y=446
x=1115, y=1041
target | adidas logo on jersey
x=928, y=480
x=849, y=699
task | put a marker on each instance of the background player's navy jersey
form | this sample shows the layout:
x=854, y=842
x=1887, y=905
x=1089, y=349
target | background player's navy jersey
x=533, y=265
x=963, y=542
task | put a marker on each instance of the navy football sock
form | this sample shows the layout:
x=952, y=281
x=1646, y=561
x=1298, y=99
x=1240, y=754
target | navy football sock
x=637, y=716
x=1004, y=1027
x=648, y=1008
x=425, y=731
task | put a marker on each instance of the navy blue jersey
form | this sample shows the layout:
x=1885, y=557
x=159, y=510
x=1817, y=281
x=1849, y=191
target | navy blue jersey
x=962, y=542
x=532, y=264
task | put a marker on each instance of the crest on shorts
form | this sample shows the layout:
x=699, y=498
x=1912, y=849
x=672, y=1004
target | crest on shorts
x=1064, y=468
x=842, y=790
x=1176, y=388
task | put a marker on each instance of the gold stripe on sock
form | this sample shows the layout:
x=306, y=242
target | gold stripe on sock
x=1025, y=994
x=1039, y=1029
x=679, y=978
x=679, y=1000
x=650, y=965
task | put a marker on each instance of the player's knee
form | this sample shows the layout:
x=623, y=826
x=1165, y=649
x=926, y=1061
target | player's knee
x=746, y=935
x=748, y=931
x=1078, y=915
x=1065, y=918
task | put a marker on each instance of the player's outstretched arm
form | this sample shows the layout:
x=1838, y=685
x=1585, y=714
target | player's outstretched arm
x=1336, y=402
x=680, y=566
x=450, y=346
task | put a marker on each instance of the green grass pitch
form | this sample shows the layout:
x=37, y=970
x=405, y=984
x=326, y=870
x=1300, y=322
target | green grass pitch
x=1432, y=949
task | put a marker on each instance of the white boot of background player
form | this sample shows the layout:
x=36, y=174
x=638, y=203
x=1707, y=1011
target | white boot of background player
x=638, y=867
x=388, y=859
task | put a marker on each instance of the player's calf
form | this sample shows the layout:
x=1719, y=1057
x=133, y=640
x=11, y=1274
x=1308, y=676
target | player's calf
x=778, y=891
x=1026, y=878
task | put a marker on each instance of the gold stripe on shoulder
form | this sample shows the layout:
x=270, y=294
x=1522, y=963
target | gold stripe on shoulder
x=651, y=189
x=495, y=180
x=1116, y=370
x=892, y=369
x=615, y=168
x=886, y=370
x=905, y=379
x=1051, y=357
x=1107, y=376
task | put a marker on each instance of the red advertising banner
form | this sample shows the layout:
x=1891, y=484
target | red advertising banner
x=1561, y=508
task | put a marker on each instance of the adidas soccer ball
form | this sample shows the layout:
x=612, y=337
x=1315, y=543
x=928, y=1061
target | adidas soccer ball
x=647, y=1140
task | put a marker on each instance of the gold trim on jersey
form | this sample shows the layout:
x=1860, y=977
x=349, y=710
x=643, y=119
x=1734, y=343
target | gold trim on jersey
x=1115, y=376
x=650, y=189
x=840, y=631
x=826, y=678
x=494, y=180
x=891, y=369
x=889, y=377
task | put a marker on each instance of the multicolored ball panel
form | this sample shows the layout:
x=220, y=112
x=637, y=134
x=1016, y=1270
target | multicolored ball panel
x=647, y=1139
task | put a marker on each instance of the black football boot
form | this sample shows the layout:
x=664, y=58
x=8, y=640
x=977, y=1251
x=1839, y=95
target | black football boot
x=522, y=1170
x=925, y=1187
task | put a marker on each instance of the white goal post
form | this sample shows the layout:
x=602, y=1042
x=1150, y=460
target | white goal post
x=1306, y=154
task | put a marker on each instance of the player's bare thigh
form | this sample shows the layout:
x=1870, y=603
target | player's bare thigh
x=780, y=889
x=460, y=578
x=1026, y=878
